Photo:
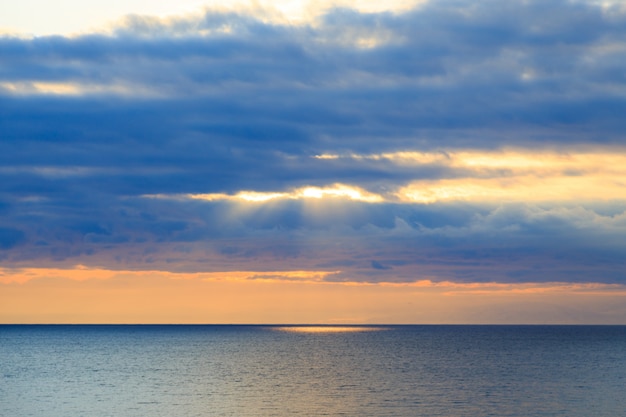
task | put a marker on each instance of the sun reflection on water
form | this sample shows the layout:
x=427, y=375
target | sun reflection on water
x=328, y=329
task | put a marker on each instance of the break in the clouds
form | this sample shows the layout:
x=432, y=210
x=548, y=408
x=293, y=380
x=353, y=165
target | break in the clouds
x=454, y=141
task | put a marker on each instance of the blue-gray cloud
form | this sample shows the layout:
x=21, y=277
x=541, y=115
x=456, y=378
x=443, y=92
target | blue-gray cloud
x=184, y=106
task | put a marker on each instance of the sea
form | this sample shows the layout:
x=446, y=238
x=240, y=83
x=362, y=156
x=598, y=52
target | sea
x=241, y=371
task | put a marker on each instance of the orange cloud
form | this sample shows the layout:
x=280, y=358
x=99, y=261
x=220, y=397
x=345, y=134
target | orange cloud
x=83, y=273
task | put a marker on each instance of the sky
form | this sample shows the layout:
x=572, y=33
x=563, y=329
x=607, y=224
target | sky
x=438, y=161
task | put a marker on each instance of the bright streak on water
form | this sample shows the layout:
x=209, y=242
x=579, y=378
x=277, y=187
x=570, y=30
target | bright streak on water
x=256, y=371
x=328, y=329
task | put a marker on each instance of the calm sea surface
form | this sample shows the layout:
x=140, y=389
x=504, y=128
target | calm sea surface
x=241, y=371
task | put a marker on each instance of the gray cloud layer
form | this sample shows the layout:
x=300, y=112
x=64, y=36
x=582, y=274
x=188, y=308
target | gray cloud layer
x=226, y=102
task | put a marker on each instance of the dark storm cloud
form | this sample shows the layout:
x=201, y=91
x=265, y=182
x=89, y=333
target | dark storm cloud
x=224, y=102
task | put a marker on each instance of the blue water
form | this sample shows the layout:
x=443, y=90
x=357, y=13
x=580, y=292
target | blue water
x=240, y=371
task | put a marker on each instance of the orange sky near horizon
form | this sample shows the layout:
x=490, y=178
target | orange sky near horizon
x=82, y=295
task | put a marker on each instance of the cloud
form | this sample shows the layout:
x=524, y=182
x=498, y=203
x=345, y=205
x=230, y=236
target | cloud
x=378, y=265
x=10, y=237
x=454, y=140
x=365, y=241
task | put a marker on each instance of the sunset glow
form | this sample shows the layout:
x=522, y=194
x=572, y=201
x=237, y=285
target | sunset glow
x=327, y=329
x=329, y=162
x=81, y=295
